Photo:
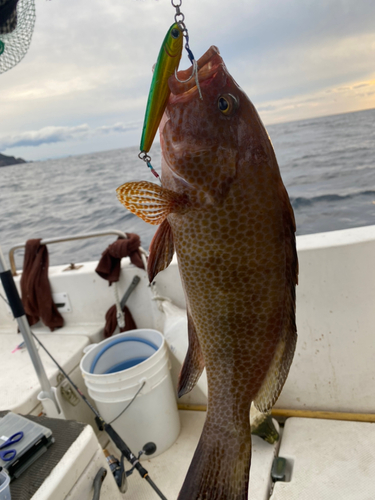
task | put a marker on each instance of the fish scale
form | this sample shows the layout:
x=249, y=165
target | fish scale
x=226, y=212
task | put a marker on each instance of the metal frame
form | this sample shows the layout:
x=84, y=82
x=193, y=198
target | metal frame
x=48, y=241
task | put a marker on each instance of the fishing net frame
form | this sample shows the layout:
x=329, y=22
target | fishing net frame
x=17, y=21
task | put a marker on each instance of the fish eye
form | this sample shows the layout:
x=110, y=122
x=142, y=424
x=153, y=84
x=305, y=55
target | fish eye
x=223, y=104
x=175, y=33
x=227, y=104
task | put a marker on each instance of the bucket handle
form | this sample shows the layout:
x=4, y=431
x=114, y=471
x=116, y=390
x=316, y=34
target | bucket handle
x=143, y=382
x=119, y=341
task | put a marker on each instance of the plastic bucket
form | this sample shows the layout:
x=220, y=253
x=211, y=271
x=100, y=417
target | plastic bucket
x=4, y=486
x=116, y=369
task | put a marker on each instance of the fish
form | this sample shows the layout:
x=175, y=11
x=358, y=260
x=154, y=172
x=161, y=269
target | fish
x=262, y=425
x=224, y=209
x=166, y=64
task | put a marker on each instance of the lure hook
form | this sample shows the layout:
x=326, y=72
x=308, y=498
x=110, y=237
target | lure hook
x=194, y=73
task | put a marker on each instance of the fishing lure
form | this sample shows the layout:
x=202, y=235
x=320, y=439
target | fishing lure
x=167, y=62
x=166, y=65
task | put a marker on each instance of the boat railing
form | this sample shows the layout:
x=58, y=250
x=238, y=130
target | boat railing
x=49, y=241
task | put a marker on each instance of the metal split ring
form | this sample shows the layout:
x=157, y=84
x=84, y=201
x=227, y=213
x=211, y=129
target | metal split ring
x=183, y=28
x=180, y=21
x=144, y=156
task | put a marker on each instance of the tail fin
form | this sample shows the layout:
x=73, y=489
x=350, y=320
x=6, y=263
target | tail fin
x=220, y=466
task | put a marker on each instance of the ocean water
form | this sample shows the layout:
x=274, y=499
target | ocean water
x=327, y=164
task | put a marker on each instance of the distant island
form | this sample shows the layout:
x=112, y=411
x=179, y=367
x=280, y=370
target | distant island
x=10, y=160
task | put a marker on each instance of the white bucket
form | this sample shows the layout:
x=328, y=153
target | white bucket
x=115, y=370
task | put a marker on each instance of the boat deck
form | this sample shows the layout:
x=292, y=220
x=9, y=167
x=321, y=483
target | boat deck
x=326, y=459
x=330, y=459
x=169, y=469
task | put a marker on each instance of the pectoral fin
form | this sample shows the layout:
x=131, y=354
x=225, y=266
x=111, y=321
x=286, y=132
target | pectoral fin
x=151, y=202
x=194, y=362
x=161, y=250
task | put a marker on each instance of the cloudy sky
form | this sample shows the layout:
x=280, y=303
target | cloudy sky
x=83, y=85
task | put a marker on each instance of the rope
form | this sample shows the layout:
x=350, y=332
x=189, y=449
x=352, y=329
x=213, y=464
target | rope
x=119, y=314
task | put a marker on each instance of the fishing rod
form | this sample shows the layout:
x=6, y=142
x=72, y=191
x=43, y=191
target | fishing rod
x=15, y=303
x=102, y=425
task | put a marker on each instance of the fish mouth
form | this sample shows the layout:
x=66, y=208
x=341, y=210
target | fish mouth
x=185, y=83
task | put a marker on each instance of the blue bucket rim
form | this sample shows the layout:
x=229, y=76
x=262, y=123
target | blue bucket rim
x=116, y=341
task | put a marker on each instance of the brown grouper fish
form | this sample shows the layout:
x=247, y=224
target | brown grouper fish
x=224, y=209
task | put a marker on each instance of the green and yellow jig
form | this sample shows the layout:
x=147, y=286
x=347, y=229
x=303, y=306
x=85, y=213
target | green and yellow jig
x=167, y=62
x=166, y=65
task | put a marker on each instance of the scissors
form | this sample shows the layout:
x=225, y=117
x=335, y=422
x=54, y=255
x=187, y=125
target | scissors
x=8, y=455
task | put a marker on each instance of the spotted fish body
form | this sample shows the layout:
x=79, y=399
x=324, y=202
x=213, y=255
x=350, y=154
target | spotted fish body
x=224, y=209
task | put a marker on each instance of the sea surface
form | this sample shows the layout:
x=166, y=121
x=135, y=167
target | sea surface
x=327, y=164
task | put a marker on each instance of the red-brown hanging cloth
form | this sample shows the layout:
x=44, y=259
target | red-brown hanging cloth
x=36, y=289
x=109, y=269
x=110, y=264
x=111, y=321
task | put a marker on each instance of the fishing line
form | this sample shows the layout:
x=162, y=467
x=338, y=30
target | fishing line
x=102, y=425
x=67, y=377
